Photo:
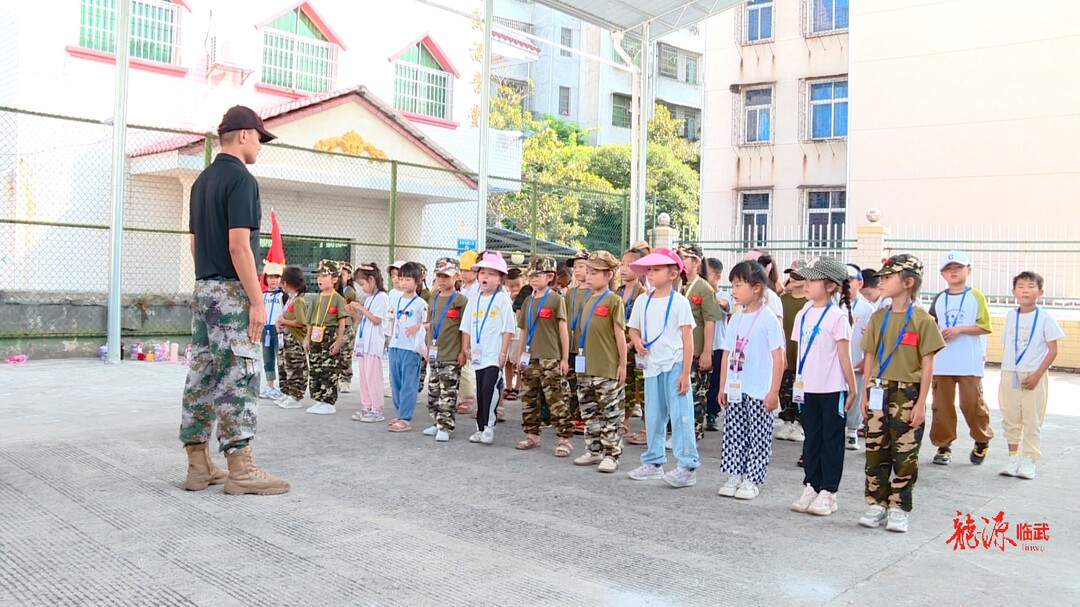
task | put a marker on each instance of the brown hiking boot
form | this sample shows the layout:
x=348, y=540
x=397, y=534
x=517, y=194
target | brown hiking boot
x=246, y=478
x=201, y=471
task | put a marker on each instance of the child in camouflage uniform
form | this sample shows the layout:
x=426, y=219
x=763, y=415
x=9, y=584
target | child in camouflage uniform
x=445, y=355
x=293, y=362
x=706, y=312
x=576, y=295
x=348, y=291
x=326, y=329
x=900, y=343
x=601, y=366
x=544, y=360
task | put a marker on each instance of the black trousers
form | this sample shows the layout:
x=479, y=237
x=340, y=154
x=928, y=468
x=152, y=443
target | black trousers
x=712, y=406
x=487, y=396
x=824, y=422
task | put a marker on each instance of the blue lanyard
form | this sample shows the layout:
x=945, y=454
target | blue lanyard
x=574, y=309
x=629, y=302
x=363, y=321
x=645, y=319
x=1016, y=335
x=401, y=310
x=270, y=316
x=813, y=334
x=535, y=320
x=585, y=330
x=956, y=318
x=434, y=305
x=486, y=314
x=884, y=364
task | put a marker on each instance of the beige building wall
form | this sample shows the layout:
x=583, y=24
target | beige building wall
x=789, y=163
x=965, y=112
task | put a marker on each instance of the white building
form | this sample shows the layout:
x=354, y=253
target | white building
x=595, y=95
x=320, y=72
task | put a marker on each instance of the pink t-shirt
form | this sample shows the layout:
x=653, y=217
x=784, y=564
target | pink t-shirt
x=821, y=373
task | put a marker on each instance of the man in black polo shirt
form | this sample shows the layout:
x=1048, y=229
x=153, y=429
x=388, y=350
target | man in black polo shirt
x=228, y=314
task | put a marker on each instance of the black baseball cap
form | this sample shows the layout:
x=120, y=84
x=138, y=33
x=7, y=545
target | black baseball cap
x=239, y=118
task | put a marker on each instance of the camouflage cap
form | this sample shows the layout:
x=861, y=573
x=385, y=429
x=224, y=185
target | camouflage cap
x=691, y=250
x=329, y=266
x=542, y=263
x=447, y=266
x=901, y=262
x=825, y=268
x=602, y=260
x=582, y=255
x=345, y=266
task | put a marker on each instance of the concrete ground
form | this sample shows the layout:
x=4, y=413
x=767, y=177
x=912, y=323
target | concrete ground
x=92, y=513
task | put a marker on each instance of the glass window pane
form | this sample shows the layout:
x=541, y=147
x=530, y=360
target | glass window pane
x=817, y=200
x=752, y=28
x=764, y=126
x=758, y=97
x=766, y=23
x=841, y=14
x=751, y=125
x=822, y=121
x=840, y=89
x=840, y=200
x=821, y=91
x=840, y=119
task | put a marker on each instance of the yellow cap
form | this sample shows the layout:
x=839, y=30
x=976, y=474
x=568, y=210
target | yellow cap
x=467, y=259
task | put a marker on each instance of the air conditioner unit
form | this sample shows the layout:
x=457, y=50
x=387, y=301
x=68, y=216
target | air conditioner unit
x=226, y=55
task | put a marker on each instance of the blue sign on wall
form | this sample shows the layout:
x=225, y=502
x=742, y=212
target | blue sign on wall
x=464, y=244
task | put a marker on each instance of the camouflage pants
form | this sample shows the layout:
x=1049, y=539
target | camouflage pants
x=423, y=373
x=293, y=368
x=325, y=368
x=443, y=383
x=223, y=377
x=602, y=409
x=543, y=375
x=635, y=383
x=789, y=410
x=571, y=383
x=892, y=448
x=699, y=383
x=346, y=354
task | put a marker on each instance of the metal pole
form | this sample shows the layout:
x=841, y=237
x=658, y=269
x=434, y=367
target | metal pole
x=645, y=110
x=485, y=131
x=116, y=227
x=635, y=128
x=393, y=211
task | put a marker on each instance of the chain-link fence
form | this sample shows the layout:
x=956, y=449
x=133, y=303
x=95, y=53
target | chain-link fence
x=56, y=204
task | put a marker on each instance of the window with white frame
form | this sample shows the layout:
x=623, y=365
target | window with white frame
x=297, y=55
x=566, y=38
x=421, y=85
x=691, y=69
x=677, y=64
x=828, y=109
x=828, y=15
x=757, y=20
x=826, y=215
x=669, y=61
x=689, y=120
x=754, y=219
x=620, y=110
x=564, y=101
x=155, y=28
x=632, y=46
x=757, y=112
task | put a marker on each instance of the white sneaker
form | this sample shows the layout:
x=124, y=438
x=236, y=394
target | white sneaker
x=747, y=490
x=873, y=517
x=488, y=435
x=322, y=409
x=730, y=487
x=476, y=436
x=289, y=403
x=897, y=521
x=667, y=444
x=609, y=465
x=344, y=387
x=264, y=392
x=1026, y=469
x=1012, y=467
x=442, y=436
x=784, y=433
x=808, y=496
x=824, y=504
x=852, y=442
x=588, y=459
x=432, y=431
x=797, y=433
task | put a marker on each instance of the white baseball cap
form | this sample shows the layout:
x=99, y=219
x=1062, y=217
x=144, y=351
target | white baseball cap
x=954, y=256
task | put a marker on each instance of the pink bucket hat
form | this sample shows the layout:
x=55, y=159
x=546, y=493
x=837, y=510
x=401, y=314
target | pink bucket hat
x=659, y=257
x=492, y=261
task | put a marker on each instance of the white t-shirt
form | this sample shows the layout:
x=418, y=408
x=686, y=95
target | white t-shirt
x=491, y=318
x=775, y=304
x=274, y=306
x=755, y=369
x=667, y=350
x=963, y=354
x=409, y=312
x=471, y=291
x=1035, y=341
x=368, y=334
x=721, y=325
x=861, y=311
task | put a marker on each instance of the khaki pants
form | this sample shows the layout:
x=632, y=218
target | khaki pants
x=468, y=382
x=1022, y=411
x=972, y=405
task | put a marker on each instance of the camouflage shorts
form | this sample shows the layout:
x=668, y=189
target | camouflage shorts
x=601, y=401
x=444, y=379
x=892, y=448
x=223, y=376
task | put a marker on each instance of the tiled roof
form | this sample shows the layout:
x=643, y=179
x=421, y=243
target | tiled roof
x=508, y=38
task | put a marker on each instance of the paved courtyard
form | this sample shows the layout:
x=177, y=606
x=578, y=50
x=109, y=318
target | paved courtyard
x=92, y=513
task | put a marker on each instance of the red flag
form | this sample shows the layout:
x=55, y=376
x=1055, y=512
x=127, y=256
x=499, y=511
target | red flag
x=276, y=254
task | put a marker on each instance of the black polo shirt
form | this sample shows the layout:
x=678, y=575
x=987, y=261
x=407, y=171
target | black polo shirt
x=224, y=196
